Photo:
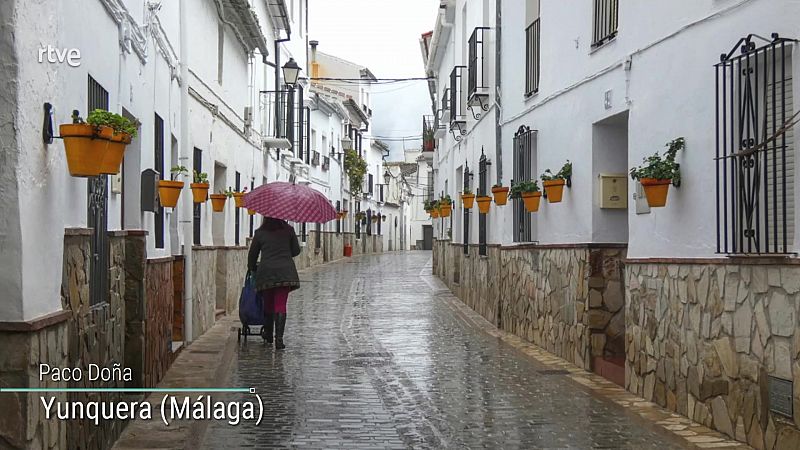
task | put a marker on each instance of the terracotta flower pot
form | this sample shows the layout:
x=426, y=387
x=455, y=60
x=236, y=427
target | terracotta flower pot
x=484, y=202
x=468, y=200
x=199, y=192
x=656, y=191
x=500, y=195
x=251, y=212
x=169, y=192
x=435, y=213
x=218, y=202
x=445, y=210
x=554, y=190
x=92, y=151
x=531, y=200
x=238, y=197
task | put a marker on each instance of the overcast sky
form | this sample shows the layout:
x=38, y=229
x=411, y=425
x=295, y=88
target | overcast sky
x=384, y=36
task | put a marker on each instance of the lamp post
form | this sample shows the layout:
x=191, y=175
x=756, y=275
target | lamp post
x=291, y=71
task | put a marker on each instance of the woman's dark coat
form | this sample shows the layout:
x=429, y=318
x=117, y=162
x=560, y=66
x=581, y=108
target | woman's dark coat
x=276, y=268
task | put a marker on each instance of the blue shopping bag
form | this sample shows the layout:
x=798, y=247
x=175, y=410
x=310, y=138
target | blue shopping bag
x=251, y=308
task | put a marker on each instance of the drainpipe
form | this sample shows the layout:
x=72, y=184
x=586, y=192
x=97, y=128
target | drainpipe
x=185, y=158
x=498, y=73
x=278, y=81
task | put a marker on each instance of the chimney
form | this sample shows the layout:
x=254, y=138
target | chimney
x=314, y=63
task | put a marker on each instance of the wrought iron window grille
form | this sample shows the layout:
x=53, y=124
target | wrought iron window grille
x=532, y=57
x=483, y=189
x=755, y=147
x=478, y=79
x=606, y=21
x=523, y=170
x=467, y=182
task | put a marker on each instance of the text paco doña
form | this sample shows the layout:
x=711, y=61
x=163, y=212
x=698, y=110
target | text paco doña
x=172, y=407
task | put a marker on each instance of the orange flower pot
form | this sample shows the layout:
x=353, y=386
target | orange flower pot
x=554, y=190
x=655, y=191
x=445, y=210
x=500, y=195
x=468, y=200
x=92, y=151
x=169, y=192
x=199, y=192
x=238, y=197
x=251, y=212
x=531, y=200
x=218, y=202
x=435, y=213
x=484, y=202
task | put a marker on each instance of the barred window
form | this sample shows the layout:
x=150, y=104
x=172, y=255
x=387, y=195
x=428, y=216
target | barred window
x=523, y=171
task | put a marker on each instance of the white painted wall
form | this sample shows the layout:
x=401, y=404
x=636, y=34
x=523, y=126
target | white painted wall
x=668, y=92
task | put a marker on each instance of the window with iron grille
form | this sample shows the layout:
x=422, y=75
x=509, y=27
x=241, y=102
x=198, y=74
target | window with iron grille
x=523, y=171
x=158, y=157
x=606, y=21
x=467, y=212
x=755, y=148
x=483, y=175
x=429, y=195
x=97, y=212
x=370, y=184
x=338, y=221
x=237, y=211
x=458, y=112
x=532, y=57
x=197, y=216
x=478, y=80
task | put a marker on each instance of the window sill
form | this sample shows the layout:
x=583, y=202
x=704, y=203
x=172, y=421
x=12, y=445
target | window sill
x=596, y=48
x=530, y=98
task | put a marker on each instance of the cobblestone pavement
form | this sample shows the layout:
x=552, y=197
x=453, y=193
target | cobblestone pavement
x=377, y=358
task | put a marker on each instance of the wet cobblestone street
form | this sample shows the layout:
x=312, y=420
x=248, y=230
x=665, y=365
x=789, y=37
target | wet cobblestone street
x=378, y=358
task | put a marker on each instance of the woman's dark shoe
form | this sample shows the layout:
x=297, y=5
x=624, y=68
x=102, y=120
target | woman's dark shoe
x=266, y=330
x=280, y=325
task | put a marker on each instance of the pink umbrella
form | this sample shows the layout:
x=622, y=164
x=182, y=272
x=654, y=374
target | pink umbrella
x=287, y=201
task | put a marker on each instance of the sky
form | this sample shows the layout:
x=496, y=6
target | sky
x=384, y=36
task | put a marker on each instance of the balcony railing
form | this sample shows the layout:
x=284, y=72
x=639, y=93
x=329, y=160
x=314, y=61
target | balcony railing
x=428, y=139
x=606, y=21
x=445, y=109
x=458, y=111
x=532, y=57
x=315, y=157
x=286, y=117
x=478, y=84
x=326, y=163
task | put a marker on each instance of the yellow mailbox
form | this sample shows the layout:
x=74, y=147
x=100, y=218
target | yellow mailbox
x=613, y=190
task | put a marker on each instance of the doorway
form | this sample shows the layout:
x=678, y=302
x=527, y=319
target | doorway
x=427, y=237
x=218, y=218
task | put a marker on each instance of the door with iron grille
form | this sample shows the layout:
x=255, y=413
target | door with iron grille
x=483, y=188
x=523, y=171
x=467, y=212
x=755, y=147
x=97, y=212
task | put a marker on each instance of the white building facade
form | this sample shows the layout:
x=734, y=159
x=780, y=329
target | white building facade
x=662, y=300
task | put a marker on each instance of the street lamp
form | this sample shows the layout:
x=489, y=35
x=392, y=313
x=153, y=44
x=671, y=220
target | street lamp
x=387, y=176
x=347, y=143
x=291, y=71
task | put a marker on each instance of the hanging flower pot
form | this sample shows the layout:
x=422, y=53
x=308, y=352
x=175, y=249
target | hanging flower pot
x=168, y=192
x=218, y=202
x=435, y=213
x=238, y=197
x=484, y=202
x=656, y=191
x=199, y=192
x=500, y=195
x=251, y=212
x=468, y=200
x=116, y=143
x=531, y=200
x=554, y=190
x=445, y=210
x=659, y=172
x=93, y=150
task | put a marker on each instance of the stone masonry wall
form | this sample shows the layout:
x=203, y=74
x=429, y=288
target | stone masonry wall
x=231, y=270
x=204, y=291
x=158, y=320
x=703, y=340
x=96, y=333
x=555, y=297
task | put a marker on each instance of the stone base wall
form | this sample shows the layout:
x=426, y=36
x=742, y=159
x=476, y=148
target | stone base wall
x=560, y=298
x=96, y=333
x=22, y=421
x=158, y=320
x=204, y=289
x=231, y=270
x=703, y=340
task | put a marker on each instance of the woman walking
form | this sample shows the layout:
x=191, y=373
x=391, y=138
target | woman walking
x=275, y=274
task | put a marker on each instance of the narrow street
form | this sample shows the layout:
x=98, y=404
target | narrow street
x=378, y=357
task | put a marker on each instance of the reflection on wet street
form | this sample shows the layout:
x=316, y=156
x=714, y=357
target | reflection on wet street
x=376, y=358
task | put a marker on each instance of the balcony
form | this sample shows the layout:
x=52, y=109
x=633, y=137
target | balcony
x=428, y=138
x=458, y=112
x=478, y=78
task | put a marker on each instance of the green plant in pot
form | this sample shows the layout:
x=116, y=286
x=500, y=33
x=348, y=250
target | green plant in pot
x=356, y=168
x=170, y=190
x=200, y=187
x=529, y=192
x=657, y=173
x=554, y=183
x=97, y=146
x=467, y=198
